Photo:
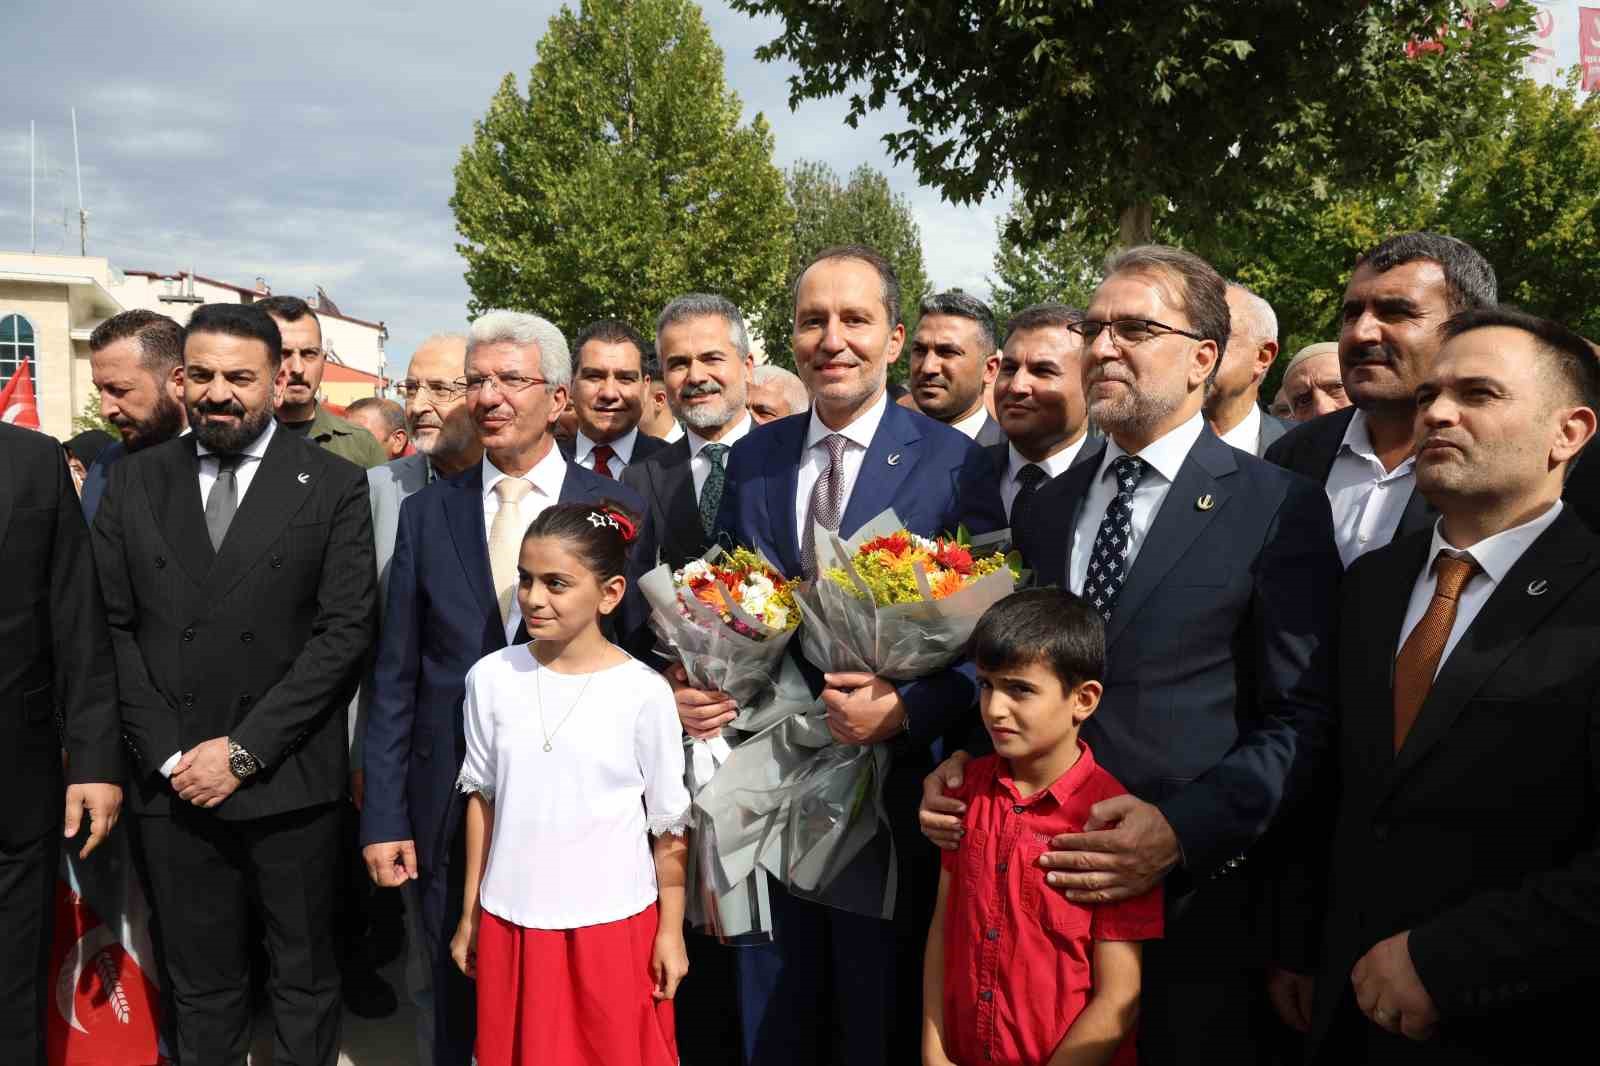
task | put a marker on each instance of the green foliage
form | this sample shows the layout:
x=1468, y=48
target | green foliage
x=88, y=416
x=1063, y=268
x=623, y=178
x=828, y=211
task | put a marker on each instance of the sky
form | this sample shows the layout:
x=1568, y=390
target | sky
x=313, y=143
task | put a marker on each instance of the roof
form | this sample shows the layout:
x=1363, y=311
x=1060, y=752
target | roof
x=339, y=372
x=250, y=291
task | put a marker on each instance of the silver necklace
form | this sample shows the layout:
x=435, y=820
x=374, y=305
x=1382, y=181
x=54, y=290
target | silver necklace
x=538, y=690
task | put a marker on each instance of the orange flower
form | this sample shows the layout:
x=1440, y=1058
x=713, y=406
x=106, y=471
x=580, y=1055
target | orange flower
x=944, y=584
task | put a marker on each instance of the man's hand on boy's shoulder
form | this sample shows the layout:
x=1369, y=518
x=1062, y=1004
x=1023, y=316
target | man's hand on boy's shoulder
x=941, y=815
x=1125, y=849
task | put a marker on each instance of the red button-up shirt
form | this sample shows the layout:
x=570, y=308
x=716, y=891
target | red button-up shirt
x=1017, y=953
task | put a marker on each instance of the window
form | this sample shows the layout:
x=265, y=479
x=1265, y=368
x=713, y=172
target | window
x=16, y=344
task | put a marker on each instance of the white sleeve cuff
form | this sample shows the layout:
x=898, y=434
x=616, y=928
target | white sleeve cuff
x=171, y=763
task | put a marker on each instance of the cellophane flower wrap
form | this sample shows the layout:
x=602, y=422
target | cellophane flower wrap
x=792, y=800
x=728, y=618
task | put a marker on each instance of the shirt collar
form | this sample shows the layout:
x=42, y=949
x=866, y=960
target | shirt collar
x=254, y=450
x=1165, y=454
x=1052, y=465
x=697, y=443
x=622, y=447
x=545, y=476
x=1062, y=788
x=860, y=432
x=1247, y=434
x=1357, y=441
x=973, y=424
x=1496, y=555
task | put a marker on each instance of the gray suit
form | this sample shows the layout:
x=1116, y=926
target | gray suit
x=1272, y=427
x=990, y=434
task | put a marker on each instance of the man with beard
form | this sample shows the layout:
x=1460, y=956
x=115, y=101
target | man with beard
x=775, y=393
x=136, y=361
x=1233, y=408
x=953, y=363
x=236, y=565
x=608, y=393
x=304, y=362
x=1217, y=576
x=1364, y=455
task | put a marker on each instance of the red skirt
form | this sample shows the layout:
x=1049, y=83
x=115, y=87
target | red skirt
x=571, y=997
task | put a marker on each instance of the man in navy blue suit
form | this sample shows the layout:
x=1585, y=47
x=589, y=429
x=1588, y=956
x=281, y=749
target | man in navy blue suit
x=451, y=596
x=840, y=464
x=1217, y=575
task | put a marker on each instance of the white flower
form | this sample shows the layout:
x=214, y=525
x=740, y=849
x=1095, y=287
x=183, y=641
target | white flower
x=776, y=615
x=699, y=569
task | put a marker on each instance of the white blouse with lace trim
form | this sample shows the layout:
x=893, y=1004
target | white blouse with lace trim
x=572, y=826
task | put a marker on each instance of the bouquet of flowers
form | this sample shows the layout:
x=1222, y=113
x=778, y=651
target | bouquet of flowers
x=790, y=799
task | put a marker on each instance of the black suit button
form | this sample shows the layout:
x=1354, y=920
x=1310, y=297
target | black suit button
x=188, y=634
x=161, y=560
x=277, y=560
x=247, y=636
x=1380, y=830
x=244, y=701
x=188, y=699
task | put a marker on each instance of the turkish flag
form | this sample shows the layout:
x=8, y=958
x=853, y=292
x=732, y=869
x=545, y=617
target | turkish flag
x=17, y=403
x=1589, y=47
x=104, y=1005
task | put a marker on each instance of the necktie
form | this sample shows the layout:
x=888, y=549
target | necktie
x=711, y=491
x=603, y=454
x=505, y=542
x=827, y=502
x=1108, y=559
x=223, y=501
x=1419, y=656
x=1029, y=478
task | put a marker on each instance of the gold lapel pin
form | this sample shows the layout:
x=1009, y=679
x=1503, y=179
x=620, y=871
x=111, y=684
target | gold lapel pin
x=1205, y=503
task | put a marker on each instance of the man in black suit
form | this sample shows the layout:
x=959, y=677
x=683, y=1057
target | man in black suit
x=1364, y=455
x=609, y=387
x=1462, y=921
x=1038, y=394
x=236, y=565
x=1217, y=575
x=58, y=691
x=953, y=364
x=1233, y=400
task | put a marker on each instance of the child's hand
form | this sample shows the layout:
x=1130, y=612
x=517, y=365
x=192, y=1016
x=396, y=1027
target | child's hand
x=464, y=946
x=669, y=963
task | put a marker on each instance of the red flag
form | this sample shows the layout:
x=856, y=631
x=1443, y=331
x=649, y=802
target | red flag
x=105, y=1006
x=1589, y=47
x=17, y=403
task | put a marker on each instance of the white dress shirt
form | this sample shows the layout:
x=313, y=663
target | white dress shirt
x=973, y=424
x=623, y=446
x=1165, y=458
x=675, y=434
x=1367, y=500
x=546, y=477
x=1495, y=557
x=700, y=463
x=814, y=459
x=1051, y=465
x=1246, y=436
x=572, y=825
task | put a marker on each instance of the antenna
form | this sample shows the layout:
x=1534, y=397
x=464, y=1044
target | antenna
x=83, y=216
x=33, y=211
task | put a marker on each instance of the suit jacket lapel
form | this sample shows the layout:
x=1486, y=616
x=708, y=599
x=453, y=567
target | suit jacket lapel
x=173, y=486
x=1053, y=562
x=888, y=462
x=1419, y=515
x=276, y=493
x=1378, y=620
x=1176, y=525
x=684, y=533
x=463, y=506
x=782, y=477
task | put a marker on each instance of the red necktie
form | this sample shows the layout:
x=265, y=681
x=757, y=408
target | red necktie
x=603, y=454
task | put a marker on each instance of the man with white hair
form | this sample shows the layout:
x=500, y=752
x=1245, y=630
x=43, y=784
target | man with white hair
x=1232, y=405
x=776, y=392
x=1312, y=386
x=451, y=601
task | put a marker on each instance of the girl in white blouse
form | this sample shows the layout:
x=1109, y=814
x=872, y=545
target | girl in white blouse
x=577, y=820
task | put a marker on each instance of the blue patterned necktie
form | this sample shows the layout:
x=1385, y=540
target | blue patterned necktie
x=1108, y=560
x=711, y=491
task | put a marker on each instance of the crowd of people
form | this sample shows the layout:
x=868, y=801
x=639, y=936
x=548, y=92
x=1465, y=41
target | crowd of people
x=1289, y=753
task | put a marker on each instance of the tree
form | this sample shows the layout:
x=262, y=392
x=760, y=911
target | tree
x=623, y=178
x=826, y=211
x=1064, y=268
x=1107, y=108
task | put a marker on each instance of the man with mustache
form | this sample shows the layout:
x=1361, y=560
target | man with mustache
x=385, y=420
x=236, y=566
x=451, y=600
x=304, y=362
x=608, y=393
x=953, y=363
x=1038, y=394
x=775, y=392
x=136, y=361
x=1365, y=455
x=1217, y=576
x=1233, y=407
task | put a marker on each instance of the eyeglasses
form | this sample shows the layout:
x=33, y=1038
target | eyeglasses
x=506, y=383
x=1127, y=332
x=445, y=390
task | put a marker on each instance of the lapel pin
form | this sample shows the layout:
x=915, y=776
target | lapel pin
x=1205, y=503
x=302, y=478
x=894, y=460
x=1539, y=587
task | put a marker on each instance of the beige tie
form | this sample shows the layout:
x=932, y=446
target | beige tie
x=505, y=541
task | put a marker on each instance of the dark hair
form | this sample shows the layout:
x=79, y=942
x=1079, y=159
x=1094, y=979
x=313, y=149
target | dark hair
x=1048, y=625
x=1469, y=279
x=1571, y=356
x=246, y=321
x=1203, y=292
x=598, y=533
x=610, y=331
x=393, y=415
x=961, y=305
x=86, y=446
x=160, y=338
x=1043, y=316
x=288, y=308
x=869, y=256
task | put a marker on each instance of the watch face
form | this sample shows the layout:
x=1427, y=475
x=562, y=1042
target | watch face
x=241, y=764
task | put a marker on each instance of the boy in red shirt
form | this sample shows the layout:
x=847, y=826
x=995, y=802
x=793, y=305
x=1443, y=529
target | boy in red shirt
x=1015, y=973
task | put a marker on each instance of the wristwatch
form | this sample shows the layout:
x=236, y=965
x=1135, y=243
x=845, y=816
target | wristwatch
x=241, y=762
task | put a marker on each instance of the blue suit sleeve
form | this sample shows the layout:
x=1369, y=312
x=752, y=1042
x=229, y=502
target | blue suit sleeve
x=386, y=746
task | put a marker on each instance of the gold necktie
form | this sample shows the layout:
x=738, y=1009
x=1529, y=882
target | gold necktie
x=505, y=542
x=1419, y=656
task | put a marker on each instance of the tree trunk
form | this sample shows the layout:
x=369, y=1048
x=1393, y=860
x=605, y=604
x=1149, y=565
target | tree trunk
x=1137, y=221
